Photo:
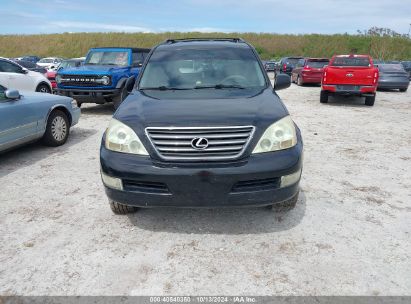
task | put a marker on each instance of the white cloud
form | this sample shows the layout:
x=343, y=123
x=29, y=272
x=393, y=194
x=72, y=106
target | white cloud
x=87, y=26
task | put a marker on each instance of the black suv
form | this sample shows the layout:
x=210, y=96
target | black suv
x=287, y=64
x=202, y=127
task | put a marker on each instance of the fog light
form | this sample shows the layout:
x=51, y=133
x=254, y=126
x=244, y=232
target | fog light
x=112, y=182
x=288, y=180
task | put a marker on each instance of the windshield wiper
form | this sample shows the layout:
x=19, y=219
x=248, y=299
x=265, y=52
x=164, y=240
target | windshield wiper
x=220, y=86
x=164, y=88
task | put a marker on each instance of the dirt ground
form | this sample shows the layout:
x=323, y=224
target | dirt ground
x=349, y=235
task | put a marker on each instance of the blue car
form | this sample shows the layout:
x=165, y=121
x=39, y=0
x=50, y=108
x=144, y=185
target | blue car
x=34, y=116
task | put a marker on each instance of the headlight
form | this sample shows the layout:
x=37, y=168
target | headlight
x=58, y=79
x=74, y=103
x=105, y=80
x=280, y=135
x=121, y=138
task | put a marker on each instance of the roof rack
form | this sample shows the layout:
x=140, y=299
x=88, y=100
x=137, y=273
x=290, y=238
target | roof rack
x=236, y=40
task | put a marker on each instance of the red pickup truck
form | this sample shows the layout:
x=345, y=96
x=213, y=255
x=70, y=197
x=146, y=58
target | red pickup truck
x=350, y=75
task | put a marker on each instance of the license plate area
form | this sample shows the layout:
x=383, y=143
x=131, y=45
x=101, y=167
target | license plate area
x=348, y=88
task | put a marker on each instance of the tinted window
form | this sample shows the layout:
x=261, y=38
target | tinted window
x=351, y=61
x=316, y=64
x=46, y=60
x=107, y=58
x=203, y=67
x=8, y=67
x=2, y=95
x=391, y=68
x=27, y=64
x=291, y=61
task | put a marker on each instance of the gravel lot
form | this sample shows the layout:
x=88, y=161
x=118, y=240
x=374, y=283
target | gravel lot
x=349, y=235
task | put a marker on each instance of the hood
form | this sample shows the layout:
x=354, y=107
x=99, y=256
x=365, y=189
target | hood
x=91, y=69
x=140, y=111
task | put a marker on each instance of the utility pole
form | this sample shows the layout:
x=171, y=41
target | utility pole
x=409, y=30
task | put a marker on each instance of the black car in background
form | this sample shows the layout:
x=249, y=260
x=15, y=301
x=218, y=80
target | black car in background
x=407, y=67
x=287, y=64
x=270, y=66
x=393, y=76
x=203, y=127
x=29, y=65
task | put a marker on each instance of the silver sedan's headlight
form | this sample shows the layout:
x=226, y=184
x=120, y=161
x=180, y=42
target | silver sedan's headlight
x=121, y=138
x=279, y=136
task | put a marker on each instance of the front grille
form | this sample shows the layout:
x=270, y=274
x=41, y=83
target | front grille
x=257, y=185
x=224, y=143
x=81, y=80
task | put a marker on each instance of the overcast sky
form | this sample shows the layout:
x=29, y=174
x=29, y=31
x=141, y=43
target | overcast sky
x=271, y=16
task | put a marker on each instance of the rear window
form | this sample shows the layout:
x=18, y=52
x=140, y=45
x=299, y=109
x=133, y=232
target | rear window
x=316, y=64
x=391, y=68
x=351, y=61
x=292, y=61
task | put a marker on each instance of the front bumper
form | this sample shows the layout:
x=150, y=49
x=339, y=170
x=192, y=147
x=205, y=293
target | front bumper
x=251, y=182
x=75, y=116
x=89, y=95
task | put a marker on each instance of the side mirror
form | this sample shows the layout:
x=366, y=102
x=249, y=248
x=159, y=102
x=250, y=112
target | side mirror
x=24, y=71
x=138, y=64
x=282, y=81
x=130, y=84
x=12, y=94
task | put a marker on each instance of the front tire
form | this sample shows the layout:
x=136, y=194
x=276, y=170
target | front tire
x=403, y=90
x=57, y=129
x=286, y=205
x=120, y=208
x=43, y=88
x=323, y=96
x=120, y=98
x=369, y=100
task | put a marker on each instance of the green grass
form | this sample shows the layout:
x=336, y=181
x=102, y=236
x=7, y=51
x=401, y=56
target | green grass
x=269, y=46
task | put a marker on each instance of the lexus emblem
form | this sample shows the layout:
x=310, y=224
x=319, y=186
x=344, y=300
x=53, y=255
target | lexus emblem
x=349, y=75
x=199, y=143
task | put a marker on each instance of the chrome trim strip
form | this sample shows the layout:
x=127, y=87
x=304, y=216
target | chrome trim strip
x=201, y=157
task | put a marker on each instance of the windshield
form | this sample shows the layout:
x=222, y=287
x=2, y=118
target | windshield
x=119, y=58
x=351, y=61
x=46, y=60
x=316, y=64
x=196, y=68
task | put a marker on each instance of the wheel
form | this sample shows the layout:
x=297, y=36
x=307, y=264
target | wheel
x=286, y=205
x=43, y=88
x=323, y=96
x=299, y=81
x=369, y=100
x=120, y=208
x=57, y=129
x=119, y=99
x=404, y=90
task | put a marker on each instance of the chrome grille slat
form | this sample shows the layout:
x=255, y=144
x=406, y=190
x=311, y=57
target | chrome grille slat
x=209, y=136
x=188, y=143
x=224, y=143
